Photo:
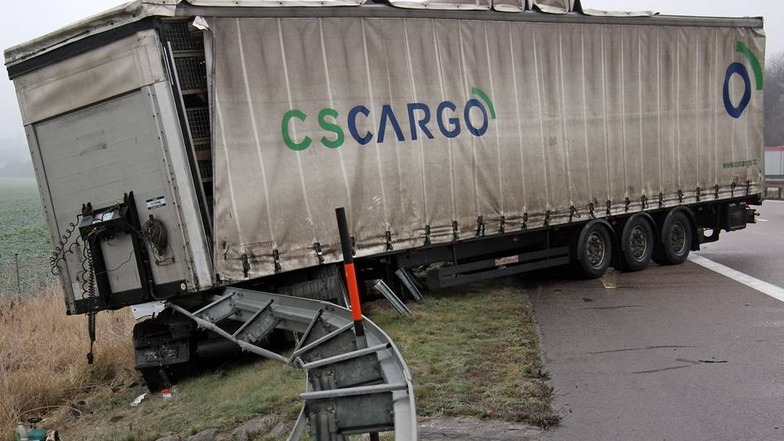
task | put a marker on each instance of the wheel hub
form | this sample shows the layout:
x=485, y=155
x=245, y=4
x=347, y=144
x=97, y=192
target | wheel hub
x=595, y=250
x=638, y=243
x=678, y=238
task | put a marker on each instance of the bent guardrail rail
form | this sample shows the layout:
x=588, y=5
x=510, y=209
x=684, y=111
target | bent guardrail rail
x=350, y=389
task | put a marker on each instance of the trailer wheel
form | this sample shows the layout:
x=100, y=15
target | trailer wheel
x=595, y=250
x=676, y=238
x=636, y=244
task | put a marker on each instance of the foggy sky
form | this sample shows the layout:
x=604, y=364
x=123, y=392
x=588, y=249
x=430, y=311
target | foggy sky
x=22, y=21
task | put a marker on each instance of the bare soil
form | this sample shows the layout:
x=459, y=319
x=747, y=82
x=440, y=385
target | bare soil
x=437, y=428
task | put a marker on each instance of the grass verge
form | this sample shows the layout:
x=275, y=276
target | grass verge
x=42, y=355
x=224, y=399
x=472, y=350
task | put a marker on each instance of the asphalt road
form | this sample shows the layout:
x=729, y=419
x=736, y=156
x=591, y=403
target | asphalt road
x=670, y=353
x=758, y=250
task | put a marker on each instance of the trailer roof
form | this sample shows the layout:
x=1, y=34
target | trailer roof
x=137, y=11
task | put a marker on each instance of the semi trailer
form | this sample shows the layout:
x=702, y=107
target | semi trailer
x=194, y=154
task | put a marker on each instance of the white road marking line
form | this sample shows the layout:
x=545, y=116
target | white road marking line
x=752, y=282
x=761, y=220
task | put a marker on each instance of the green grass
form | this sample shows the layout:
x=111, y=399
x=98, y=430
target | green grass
x=24, y=233
x=222, y=400
x=473, y=351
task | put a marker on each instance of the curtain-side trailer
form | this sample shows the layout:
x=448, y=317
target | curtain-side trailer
x=186, y=150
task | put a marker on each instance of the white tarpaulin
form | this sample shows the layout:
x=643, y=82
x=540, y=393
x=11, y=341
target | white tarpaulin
x=419, y=127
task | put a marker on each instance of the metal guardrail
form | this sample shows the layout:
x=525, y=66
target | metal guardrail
x=774, y=188
x=349, y=389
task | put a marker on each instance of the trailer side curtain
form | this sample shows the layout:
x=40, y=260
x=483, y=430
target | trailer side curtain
x=427, y=130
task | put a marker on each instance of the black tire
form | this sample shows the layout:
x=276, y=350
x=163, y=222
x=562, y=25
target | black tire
x=676, y=239
x=595, y=248
x=637, y=244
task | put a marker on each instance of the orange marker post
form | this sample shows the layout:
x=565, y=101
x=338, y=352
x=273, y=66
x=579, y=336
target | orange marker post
x=351, y=277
